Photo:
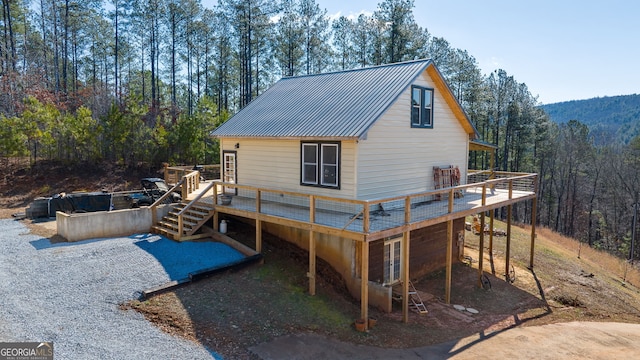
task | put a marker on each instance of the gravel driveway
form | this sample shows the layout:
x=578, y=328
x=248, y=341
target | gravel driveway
x=69, y=293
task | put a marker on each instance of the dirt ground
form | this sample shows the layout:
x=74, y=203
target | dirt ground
x=235, y=310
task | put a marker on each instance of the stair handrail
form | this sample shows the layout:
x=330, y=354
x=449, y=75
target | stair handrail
x=162, y=198
x=189, y=206
x=197, y=198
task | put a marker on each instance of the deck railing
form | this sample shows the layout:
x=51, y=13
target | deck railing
x=358, y=217
x=188, y=184
x=163, y=199
x=173, y=174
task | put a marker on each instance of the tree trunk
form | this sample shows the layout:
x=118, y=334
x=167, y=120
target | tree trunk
x=65, y=47
x=116, y=51
x=591, y=206
x=10, y=49
x=56, y=50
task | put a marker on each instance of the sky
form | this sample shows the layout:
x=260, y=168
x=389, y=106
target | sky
x=562, y=49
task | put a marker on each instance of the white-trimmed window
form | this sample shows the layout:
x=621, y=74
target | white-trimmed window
x=421, y=107
x=320, y=164
x=392, y=260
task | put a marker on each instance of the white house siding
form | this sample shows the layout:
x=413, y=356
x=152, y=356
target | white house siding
x=397, y=159
x=275, y=164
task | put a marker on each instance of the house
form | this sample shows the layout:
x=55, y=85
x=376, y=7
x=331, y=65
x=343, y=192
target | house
x=356, y=156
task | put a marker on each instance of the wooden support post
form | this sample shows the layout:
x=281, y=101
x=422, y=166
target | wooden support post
x=216, y=215
x=258, y=222
x=154, y=215
x=481, y=251
x=312, y=263
x=364, y=286
x=258, y=201
x=508, y=250
x=533, y=229
x=312, y=247
x=258, y=236
x=405, y=276
x=406, y=246
x=508, y=254
x=447, y=286
x=184, y=188
x=449, y=257
x=492, y=216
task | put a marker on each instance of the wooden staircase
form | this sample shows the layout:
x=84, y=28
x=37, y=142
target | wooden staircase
x=193, y=218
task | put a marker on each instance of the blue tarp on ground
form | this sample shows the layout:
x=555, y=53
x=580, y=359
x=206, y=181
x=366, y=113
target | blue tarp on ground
x=180, y=259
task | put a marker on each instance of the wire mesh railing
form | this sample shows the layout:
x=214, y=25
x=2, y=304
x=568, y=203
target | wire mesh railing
x=366, y=216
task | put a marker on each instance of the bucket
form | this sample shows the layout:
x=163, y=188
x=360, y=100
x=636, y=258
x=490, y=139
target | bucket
x=372, y=322
x=361, y=325
x=223, y=226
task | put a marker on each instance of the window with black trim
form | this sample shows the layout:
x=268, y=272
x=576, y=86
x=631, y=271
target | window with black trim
x=320, y=164
x=421, y=107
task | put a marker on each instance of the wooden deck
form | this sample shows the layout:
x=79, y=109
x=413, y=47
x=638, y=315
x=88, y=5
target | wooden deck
x=369, y=220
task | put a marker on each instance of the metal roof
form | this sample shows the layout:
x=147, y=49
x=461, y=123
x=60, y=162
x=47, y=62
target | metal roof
x=332, y=105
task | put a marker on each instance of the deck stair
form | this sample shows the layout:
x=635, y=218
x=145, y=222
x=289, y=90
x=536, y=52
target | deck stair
x=415, y=300
x=193, y=218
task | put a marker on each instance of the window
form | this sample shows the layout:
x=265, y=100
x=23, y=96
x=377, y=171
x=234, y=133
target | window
x=320, y=164
x=421, y=107
x=392, y=260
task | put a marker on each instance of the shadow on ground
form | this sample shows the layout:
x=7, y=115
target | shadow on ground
x=235, y=311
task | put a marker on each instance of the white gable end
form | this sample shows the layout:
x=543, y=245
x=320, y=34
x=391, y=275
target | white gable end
x=399, y=159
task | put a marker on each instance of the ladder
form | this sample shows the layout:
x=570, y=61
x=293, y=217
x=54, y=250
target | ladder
x=416, y=301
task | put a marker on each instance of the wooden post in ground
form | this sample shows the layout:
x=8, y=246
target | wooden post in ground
x=447, y=286
x=447, y=295
x=258, y=222
x=406, y=246
x=216, y=215
x=405, y=276
x=491, y=219
x=364, y=287
x=481, y=250
x=533, y=229
x=508, y=254
x=312, y=247
x=258, y=236
x=481, y=247
x=312, y=263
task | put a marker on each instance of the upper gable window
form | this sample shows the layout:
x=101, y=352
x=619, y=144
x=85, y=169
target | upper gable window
x=421, y=107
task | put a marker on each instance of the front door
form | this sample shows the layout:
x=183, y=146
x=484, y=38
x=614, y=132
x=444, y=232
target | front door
x=229, y=171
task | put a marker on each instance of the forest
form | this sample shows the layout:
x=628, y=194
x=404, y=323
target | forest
x=609, y=118
x=145, y=81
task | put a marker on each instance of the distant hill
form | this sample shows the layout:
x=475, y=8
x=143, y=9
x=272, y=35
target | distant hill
x=615, y=118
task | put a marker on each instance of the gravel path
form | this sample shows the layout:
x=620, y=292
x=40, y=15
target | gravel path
x=69, y=293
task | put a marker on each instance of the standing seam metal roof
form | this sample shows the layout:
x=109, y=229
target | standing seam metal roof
x=337, y=105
